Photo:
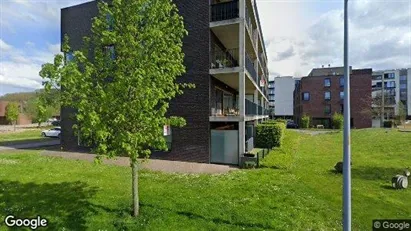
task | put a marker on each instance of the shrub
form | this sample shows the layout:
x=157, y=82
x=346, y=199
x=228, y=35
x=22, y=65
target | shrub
x=338, y=121
x=281, y=121
x=305, y=121
x=388, y=124
x=269, y=135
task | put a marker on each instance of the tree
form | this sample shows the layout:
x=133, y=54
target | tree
x=402, y=112
x=121, y=82
x=38, y=111
x=12, y=113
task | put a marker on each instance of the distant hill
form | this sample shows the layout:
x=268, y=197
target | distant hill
x=18, y=97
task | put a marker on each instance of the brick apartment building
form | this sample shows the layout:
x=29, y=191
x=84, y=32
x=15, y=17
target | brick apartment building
x=321, y=94
x=225, y=58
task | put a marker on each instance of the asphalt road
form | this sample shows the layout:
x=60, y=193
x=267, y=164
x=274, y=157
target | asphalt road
x=30, y=145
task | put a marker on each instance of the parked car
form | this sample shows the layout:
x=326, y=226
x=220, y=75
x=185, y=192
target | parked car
x=291, y=124
x=54, y=132
x=56, y=123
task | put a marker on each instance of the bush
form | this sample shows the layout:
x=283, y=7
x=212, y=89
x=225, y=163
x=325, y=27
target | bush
x=388, y=124
x=281, y=121
x=338, y=121
x=305, y=121
x=269, y=135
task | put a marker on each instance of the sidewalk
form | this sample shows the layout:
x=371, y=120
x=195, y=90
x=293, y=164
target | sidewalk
x=152, y=164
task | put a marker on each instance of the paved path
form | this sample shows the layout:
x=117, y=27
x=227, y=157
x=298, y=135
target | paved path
x=315, y=132
x=39, y=144
x=152, y=164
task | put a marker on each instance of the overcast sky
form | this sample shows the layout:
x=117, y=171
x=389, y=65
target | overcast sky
x=299, y=35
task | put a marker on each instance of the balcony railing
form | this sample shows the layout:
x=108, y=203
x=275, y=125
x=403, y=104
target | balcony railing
x=224, y=59
x=224, y=11
x=249, y=65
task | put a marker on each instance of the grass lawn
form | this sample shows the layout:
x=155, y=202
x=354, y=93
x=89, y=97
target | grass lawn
x=29, y=135
x=295, y=191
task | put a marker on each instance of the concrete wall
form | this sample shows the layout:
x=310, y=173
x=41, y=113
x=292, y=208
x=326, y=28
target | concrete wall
x=284, y=98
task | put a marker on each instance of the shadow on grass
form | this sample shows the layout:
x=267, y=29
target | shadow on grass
x=24, y=141
x=335, y=172
x=63, y=204
x=374, y=173
x=192, y=215
x=388, y=187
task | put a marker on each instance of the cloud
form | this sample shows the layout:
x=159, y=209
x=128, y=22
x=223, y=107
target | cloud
x=20, y=67
x=379, y=36
x=4, y=46
x=285, y=54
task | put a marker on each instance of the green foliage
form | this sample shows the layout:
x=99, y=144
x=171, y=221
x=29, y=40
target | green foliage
x=18, y=97
x=269, y=135
x=38, y=112
x=305, y=121
x=276, y=121
x=338, y=121
x=388, y=124
x=148, y=59
x=402, y=112
x=249, y=164
x=12, y=112
x=121, y=95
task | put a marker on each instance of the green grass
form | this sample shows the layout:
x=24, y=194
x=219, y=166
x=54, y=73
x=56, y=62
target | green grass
x=296, y=191
x=30, y=135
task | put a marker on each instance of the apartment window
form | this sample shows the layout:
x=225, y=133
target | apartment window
x=327, y=109
x=341, y=81
x=69, y=56
x=327, y=95
x=306, y=96
x=403, y=86
x=109, y=52
x=110, y=22
x=389, y=76
x=327, y=82
x=403, y=78
x=390, y=84
x=341, y=95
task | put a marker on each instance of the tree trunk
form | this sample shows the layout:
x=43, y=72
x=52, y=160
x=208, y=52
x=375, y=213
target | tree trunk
x=134, y=170
x=15, y=126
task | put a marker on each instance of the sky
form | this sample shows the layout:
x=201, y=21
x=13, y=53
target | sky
x=299, y=35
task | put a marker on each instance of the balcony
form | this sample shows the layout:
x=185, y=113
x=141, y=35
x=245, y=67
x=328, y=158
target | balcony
x=249, y=65
x=224, y=11
x=227, y=114
x=224, y=59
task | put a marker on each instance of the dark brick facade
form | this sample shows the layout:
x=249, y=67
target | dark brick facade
x=315, y=106
x=191, y=143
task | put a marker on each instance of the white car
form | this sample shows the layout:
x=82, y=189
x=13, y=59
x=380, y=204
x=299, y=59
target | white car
x=54, y=132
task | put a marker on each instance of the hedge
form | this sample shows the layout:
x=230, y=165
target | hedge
x=338, y=121
x=275, y=121
x=305, y=122
x=269, y=135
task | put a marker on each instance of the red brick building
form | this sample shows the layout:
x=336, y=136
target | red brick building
x=321, y=94
x=22, y=119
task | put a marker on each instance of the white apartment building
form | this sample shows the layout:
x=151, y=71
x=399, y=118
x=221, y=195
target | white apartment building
x=284, y=96
x=397, y=88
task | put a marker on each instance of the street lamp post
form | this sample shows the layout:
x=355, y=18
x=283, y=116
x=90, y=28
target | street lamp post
x=347, y=127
